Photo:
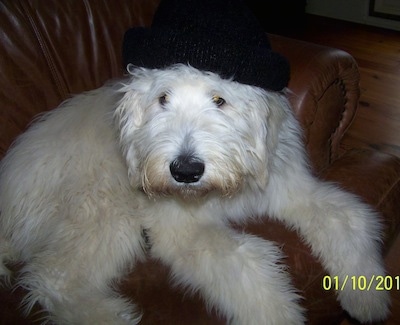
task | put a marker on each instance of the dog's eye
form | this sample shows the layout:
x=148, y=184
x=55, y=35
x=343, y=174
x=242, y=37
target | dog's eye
x=163, y=99
x=219, y=101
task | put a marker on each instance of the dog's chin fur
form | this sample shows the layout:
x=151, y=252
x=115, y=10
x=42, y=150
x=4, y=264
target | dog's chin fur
x=199, y=191
x=185, y=192
x=78, y=188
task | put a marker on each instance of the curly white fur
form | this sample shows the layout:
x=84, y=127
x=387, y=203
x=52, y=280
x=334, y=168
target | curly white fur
x=78, y=188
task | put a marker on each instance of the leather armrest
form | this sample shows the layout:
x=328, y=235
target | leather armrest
x=324, y=92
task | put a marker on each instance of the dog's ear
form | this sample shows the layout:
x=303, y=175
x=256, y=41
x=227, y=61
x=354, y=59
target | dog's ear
x=270, y=131
x=129, y=113
x=130, y=109
x=128, y=118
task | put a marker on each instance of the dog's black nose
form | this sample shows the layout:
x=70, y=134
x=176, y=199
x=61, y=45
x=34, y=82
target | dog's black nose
x=187, y=169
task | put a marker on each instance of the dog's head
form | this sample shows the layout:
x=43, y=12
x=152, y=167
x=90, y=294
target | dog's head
x=186, y=132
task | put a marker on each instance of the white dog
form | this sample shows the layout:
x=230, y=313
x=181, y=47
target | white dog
x=176, y=154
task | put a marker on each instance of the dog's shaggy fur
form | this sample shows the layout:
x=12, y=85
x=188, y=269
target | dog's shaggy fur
x=178, y=153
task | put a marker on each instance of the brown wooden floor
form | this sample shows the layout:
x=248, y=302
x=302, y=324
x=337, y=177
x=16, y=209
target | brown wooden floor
x=377, y=123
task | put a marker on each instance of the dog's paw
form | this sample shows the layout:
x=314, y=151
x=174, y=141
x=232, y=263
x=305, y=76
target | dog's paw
x=366, y=305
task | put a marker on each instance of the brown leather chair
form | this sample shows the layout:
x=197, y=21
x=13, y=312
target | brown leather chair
x=52, y=49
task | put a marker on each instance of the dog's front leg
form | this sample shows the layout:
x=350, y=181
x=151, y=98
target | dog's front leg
x=346, y=235
x=72, y=279
x=74, y=297
x=238, y=274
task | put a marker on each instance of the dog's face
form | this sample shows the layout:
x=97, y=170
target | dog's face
x=187, y=133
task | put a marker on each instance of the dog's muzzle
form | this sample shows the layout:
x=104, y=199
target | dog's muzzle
x=187, y=169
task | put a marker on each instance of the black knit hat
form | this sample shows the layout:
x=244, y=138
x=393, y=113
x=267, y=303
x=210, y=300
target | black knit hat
x=221, y=36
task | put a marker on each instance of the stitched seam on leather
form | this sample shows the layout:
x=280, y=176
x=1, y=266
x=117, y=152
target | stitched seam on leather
x=388, y=192
x=61, y=87
x=340, y=123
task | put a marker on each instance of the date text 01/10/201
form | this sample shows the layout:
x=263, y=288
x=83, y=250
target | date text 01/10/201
x=361, y=282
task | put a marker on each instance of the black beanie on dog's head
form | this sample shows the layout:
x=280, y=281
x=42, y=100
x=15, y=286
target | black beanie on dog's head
x=221, y=36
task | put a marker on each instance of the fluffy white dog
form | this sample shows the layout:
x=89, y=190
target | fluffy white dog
x=178, y=154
